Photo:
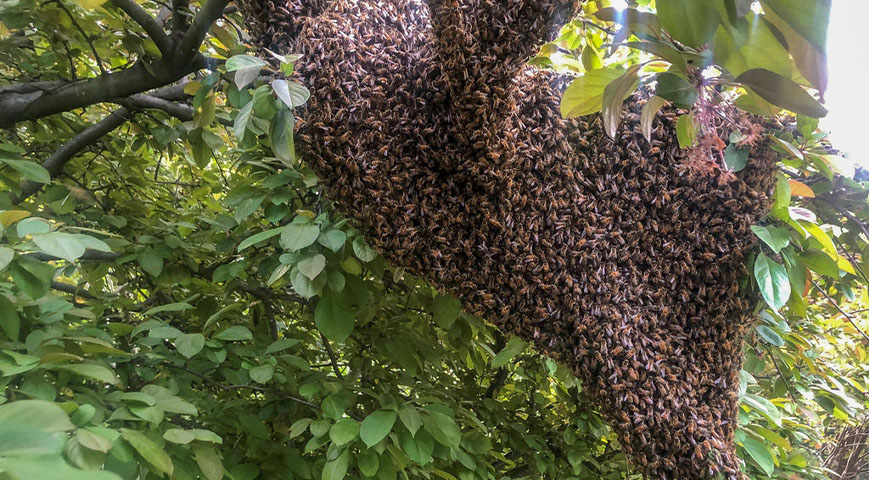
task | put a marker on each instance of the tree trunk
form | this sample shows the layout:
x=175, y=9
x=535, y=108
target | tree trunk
x=427, y=127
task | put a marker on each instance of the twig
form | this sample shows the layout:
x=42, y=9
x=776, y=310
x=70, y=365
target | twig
x=833, y=302
x=148, y=23
x=332, y=358
x=76, y=144
x=782, y=375
x=83, y=34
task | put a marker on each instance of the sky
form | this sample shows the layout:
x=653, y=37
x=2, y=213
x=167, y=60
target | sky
x=847, y=96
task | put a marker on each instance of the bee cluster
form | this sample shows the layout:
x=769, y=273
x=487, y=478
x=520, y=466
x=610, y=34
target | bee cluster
x=427, y=127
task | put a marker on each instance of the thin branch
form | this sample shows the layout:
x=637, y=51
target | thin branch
x=142, y=100
x=332, y=358
x=72, y=290
x=833, y=302
x=180, y=21
x=89, y=256
x=148, y=23
x=54, y=164
x=189, y=45
x=85, y=35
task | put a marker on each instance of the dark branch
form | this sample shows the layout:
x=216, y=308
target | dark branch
x=89, y=256
x=189, y=45
x=54, y=164
x=148, y=23
x=141, y=100
x=21, y=102
x=72, y=290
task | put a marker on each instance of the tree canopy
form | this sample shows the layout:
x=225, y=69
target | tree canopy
x=179, y=300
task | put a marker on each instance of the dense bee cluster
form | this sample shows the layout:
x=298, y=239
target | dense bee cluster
x=426, y=126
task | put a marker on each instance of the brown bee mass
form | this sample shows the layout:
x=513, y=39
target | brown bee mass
x=427, y=126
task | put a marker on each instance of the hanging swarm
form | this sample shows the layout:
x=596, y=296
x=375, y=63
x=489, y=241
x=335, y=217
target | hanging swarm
x=426, y=124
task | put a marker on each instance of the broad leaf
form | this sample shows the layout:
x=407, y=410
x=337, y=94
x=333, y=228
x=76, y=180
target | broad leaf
x=772, y=279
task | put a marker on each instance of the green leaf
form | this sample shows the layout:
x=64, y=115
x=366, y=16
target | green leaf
x=668, y=53
x=35, y=415
x=299, y=235
x=686, y=130
x=820, y=262
x=333, y=239
x=445, y=310
x=688, y=21
x=650, y=109
x=764, y=407
x=48, y=467
x=150, y=451
x=246, y=69
x=736, y=157
x=411, y=418
x=809, y=19
x=781, y=91
x=368, y=462
x=613, y=97
x=334, y=317
x=262, y=373
x=151, y=262
x=190, y=344
x=6, y=256
x=281, y=136
x=782, y=193
x=442, y=428
x=239, y=125
x=29, y=170
x=181, y=437
x=10, y=322
x=363, y=251
x=93, y=441
x=304, y=286
x=775, y=238
x=344, y=431
x=590, y=58
x=259, y=237
x=336, y=469
x=60, y=245
x=676, y=89
x=169, y=307
x=772, y=279
x=584, y=95
x=32, y=276
x=312, y=265
x=376, y=426
x=769, y=335
x=209, y=461
x=235, y=333
x=282, y=344
x=89, y=370
x=293, y=94
x=514, y=347
x=760, y=454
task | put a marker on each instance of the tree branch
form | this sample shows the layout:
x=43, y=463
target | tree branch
x=189, y=45
x=142, y=100
x=54, y=164
x=21, y=102
x=148, y=23
x=847, y=316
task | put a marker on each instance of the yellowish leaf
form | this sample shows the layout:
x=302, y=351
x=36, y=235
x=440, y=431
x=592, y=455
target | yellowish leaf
x=9, y=217
x=89, y=4
x=800, y=189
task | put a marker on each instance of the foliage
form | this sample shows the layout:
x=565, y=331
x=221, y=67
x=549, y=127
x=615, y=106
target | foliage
x=181, y=301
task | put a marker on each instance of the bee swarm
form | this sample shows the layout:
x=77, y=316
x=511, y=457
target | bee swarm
x=426, y=123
